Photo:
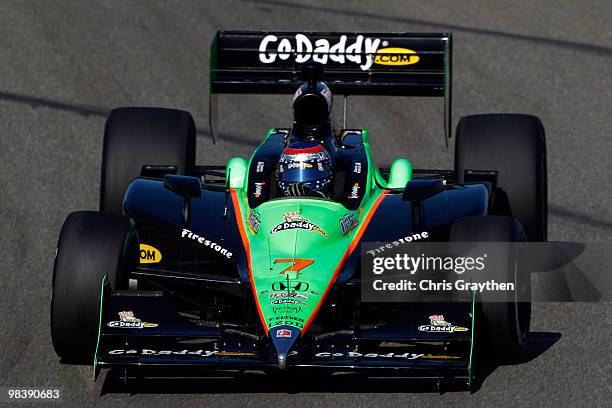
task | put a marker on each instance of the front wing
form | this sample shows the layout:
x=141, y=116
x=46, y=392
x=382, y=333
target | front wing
x=145, y=331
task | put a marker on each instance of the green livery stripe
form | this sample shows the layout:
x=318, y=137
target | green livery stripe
x=245, y=243
x=348, y=253
x=95, y=361
x=248, y=168
x=296, y=248
x=472, y=338
x=212, y=62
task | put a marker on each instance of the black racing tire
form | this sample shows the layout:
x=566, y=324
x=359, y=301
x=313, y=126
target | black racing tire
x=134, y=137
x=91, y=245
x=514, y=146
x=501, y=322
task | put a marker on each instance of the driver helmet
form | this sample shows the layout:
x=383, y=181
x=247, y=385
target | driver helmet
x=305, y=169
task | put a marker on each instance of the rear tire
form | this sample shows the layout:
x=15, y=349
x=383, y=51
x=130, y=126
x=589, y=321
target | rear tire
x=91, y=245
x=135, y=137
x=514, y=146
x=503, y=324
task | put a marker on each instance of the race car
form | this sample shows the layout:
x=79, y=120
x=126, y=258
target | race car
x=257, y=264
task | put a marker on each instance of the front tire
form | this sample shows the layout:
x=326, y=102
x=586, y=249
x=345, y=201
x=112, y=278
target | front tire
x=91, y=246
x=502, y=320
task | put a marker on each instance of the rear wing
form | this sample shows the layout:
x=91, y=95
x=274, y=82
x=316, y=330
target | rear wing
x=400, y=64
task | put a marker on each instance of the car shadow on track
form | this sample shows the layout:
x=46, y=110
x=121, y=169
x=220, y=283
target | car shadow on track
x=296, y=383
x=537, y=344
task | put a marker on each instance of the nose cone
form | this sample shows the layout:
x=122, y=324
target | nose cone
x=295, y=257
x=283, y=338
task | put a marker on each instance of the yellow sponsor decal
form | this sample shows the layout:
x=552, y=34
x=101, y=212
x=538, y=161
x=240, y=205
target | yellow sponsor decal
x=396, y=56
x=235, y=354
x=149, y=254
x=432, y=357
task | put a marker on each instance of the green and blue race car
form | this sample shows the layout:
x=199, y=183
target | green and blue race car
x=259, y=263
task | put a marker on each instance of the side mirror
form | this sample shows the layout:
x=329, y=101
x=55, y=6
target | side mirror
x=185, y=186
x=420, y=190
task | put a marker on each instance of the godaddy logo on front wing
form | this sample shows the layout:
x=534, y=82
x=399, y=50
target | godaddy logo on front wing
x=270, y=49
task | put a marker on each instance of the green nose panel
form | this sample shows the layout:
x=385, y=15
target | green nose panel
x=297, y=247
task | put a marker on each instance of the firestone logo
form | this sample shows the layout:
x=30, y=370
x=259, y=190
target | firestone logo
x=206, y=242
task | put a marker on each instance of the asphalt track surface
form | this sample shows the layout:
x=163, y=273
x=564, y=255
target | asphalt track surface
x=64, y=65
